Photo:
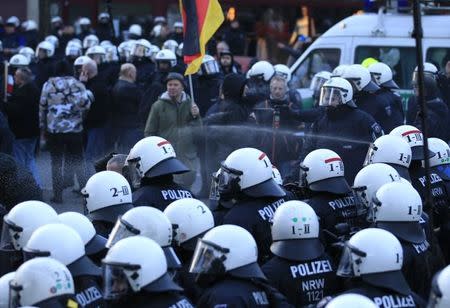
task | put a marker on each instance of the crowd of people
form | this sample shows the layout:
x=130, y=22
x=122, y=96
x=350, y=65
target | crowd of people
x=319, y=207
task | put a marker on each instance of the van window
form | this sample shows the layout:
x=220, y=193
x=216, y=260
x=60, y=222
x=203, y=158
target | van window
x=437, y=56
x=317, y=60
x=402, y=61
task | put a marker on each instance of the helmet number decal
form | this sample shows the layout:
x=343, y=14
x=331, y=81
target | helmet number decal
x=398, y=257
x=201, y=209
x=116, y=192
x=405, y=158
x=417, y=134
x=335, y=167
x=166, y=146
x=265, y=159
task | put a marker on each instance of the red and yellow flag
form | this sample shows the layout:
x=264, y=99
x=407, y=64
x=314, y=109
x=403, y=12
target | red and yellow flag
x=201, y=19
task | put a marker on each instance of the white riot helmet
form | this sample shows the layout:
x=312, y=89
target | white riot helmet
x=171, y=45
x=56, y=19
x=360, y=78
x=47, y=47
x=209, y=66
x=283, y=71
x=295, y=232
x=31, y=25
x=27, y=52
x=39, y=280
x=154, y=50
x=103, y=16
x=93, y=243
x=249, y=171
x=262, y=70
x=52, y=39
x=323, y=170
x=124, y=50
x=107, y=195
x=19, y=61
x=227, y=248
x=179, y=52
x=90, y=40
x=141, y=48
x=23, y=219
x=135, y=263
x=429, y=70
x=369, y=179
x=336, y=91
x=111, y=54
x=318, y=80
x=61, y=243
x=382, y=75
x=13, y=20
x=414, y=137
x=152, y=157
x=149, y=222
x=135, y=30
x=96, y=53
x=351, y=300
x=397, y=208
x=440, y=289
x=78, y=64
x=391, y=150
x=73, y=50
x=160, y=20
x=190, y=218
x=106, y=43
x=84, y=21
x=178, y=24
x=441, y=161
x=165, y=55
x=156, y=31
x=339, y=70
x=276, y=175
x=377, y=265
x=4, y=289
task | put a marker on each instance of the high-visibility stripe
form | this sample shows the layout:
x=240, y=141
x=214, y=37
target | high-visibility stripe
x=330, y=160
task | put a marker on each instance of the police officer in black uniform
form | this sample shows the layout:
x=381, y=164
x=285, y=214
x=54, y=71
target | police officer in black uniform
x=375, y=270
x=152, y=163
x=45, y=67
x=382, y=76
x=323, y=179
x=135, y=275
x=140, y=58
x=258, y=79
x=209, y=81
x=63, y=243
x=398, y=208
x=342, y=120
x=190, y=219
x=300, y=269
x=107, y=195
x=246, y=183
x=225, y=262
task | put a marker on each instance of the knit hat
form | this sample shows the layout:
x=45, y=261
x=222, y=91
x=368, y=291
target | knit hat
x=176, y=76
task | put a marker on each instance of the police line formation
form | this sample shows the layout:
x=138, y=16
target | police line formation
x=309, y=239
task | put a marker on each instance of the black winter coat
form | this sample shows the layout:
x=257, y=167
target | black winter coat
x=98, y=112
x=125, y=99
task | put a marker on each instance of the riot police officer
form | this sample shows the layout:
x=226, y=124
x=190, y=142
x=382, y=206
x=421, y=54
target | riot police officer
x=375, y=270
x=440, y=288
x=225, y=261
x=45, y=62
x=300, y=257
x=259, y=75
x=149, y=222
x=107, y=195
x=382, y=76
x=440, y=164
x=190, y=219
x=35, y=282
x=94, y=244
x=322, y=176
x=246, y=182
x=65, y=245
x=397, y=208
x=18, y=225
x=209, y=82
x=135, y=275
x=152, y=163
x=140, y=58
x=342, y=119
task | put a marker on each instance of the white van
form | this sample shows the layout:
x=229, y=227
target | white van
x=383, y=36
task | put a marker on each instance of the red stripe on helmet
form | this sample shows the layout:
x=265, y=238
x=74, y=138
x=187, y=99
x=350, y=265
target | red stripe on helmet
x=411, y=132
x=330, y=160
x=163, y=143
x=261, y=157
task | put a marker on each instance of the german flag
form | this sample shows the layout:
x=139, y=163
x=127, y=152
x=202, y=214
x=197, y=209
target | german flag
x=201, y=19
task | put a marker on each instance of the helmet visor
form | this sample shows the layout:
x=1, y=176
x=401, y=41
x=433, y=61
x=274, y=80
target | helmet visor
x=350, y=256
x=139, y=51
x=303, y=175
x=370, y=154
x=29, y=254
x=14, y=294
x=362, y=201
x=228, y=179
x=11, y=234
x=415, y=77
x=90, y=43
x=121, y=230
x=210, y=67
x=214, y=190
x=73, y=52
x=206, y=255
x=317, y=83
x=132, y=169
x=115, y=281
x=330, y=96
x=376, y=77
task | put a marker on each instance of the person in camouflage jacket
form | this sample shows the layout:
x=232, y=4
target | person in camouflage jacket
x=63, y=106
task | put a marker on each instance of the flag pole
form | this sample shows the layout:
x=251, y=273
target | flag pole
x=191, y=89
